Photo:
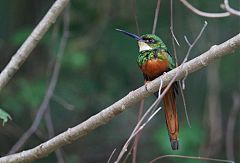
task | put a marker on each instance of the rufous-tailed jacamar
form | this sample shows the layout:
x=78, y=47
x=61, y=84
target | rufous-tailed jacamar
x=153, y=60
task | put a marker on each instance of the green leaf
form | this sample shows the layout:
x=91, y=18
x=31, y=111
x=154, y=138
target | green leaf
x=4, y=116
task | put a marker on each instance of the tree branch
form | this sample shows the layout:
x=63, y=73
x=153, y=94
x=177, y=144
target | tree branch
x=191, y=157
x=229, y=9
x=133, y=97
x=50, y=90
x=204, y=14
x=156, y=17
x=31, y=42
x=51, y=133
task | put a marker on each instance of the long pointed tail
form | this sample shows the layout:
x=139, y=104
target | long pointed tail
x=171, y=117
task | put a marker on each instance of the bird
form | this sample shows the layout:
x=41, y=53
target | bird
x=154, y=60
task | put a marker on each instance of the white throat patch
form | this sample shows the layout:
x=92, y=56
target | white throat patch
x=143, y=46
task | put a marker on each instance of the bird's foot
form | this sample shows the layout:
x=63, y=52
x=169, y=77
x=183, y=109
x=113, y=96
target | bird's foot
x=174, y=144
x=145, y=84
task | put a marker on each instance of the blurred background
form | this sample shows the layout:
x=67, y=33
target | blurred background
x=99, y=67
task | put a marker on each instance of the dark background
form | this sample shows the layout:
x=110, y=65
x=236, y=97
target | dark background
x=99, y=67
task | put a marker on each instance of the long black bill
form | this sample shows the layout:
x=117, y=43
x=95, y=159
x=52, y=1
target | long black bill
x=130, y=34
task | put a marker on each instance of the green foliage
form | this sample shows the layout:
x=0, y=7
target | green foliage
x=4, y=116
x=20, y=36
x=189, y=138
x=31, y=92
x=72, y=159
x=76, y=60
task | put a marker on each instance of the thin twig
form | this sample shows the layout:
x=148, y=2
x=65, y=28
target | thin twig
x=183, y=81
x=156, y=17
x=128, y=154
x=51, y=133
x=63, y=102
x=115, y=109
x=185, y=59
x=230, y=126
x=230, y=9
x=31, y=42
x=204, y=14
x=135, y=132
x=149, y=119
x=191, y=45
x=174, y=39
x=138, y=126
x=137, y=137
x=190, y=157
x=172, y=32
x=109, y=160
x=184, y=105
x=51, y=87
x=186, y=39
x=135, y=16
x=49, y=124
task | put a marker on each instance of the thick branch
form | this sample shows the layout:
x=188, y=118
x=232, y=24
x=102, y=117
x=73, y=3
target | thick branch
x=133, y=97
x=31, y=42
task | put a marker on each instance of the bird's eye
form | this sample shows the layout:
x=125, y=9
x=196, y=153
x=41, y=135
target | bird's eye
x=151, y=41
x=146, y=40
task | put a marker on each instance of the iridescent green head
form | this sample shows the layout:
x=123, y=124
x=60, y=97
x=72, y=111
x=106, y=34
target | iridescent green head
x=146, y=42
x=149, y=42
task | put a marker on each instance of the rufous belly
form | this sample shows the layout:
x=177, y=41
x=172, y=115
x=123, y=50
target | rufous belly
x=154, y=68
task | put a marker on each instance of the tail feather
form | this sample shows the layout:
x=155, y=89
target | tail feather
x=171, y=117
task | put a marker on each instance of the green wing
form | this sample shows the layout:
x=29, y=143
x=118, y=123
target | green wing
x=172, y=64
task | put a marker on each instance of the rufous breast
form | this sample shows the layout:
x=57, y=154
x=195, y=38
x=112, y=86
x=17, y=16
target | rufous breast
x=154, y=68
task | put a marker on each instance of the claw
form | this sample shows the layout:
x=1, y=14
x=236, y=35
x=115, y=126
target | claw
x=174, y=144
x=145, y=84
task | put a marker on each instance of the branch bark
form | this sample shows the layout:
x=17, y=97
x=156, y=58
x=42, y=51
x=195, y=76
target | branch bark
x=31, y=42
x=103, y=117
